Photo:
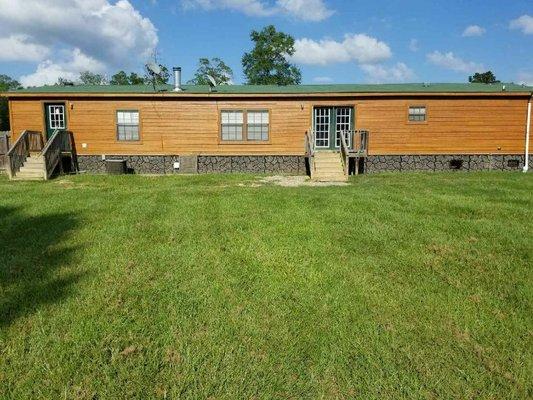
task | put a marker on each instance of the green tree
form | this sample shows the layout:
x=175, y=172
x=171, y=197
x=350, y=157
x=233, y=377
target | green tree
x=485, y=77
x=6, y=83
x=267, y=63
x=64, y=82
x=136, y=79
x=215, y=68
x=160, y=79
x=90, y=78
x=122, y=78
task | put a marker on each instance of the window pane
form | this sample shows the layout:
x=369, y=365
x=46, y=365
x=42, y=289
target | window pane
x=257, y=125
x=417, y=114
x=128, y=125
x=232, y=125
x=232, y=117
x=257, y=132
x=231, y=132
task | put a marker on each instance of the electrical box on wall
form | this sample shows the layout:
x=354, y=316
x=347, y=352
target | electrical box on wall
x=176, y=165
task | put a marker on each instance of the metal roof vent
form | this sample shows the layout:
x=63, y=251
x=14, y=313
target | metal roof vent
x=177, y=79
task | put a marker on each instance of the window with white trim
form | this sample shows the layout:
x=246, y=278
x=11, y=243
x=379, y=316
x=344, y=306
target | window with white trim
x=232, y=125
x=257, y=124
x=417, y=113
x=56, y=115
x=128, y=125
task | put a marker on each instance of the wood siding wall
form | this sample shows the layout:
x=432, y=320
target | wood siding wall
x=454, y=125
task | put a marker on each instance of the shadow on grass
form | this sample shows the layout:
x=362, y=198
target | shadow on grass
x=35, y=260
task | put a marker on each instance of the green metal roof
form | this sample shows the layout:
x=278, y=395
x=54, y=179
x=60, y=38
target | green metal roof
x=289, y=89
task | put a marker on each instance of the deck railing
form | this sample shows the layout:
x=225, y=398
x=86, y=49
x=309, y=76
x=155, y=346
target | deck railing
x=52, y=152
x=310, y=147
x=28, y=141
x=353, y=144
x=360, y=141
x=4, y=148
x=345, y=152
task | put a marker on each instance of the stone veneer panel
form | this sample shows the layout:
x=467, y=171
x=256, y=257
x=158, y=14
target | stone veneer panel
x=135, y=164
x=252, y=164
x=206, y=164
x=475, y=162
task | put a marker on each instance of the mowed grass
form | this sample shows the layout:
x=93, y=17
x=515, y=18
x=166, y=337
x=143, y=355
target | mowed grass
x=396, y=286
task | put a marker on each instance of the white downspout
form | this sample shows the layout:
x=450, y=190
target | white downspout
x=528, y=128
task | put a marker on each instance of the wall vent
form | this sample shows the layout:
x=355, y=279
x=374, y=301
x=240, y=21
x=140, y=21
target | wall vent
x=456, y=164
x=513, y=163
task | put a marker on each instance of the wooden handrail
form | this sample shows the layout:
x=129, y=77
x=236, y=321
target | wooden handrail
x=309, y=143
x=310, y=149
x=35, y=141
x=345, y=152
x=360, y=141
x=17, y=154
x=60, y=141
x=52, y=153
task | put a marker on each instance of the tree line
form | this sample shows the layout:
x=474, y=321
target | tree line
x=266, y=64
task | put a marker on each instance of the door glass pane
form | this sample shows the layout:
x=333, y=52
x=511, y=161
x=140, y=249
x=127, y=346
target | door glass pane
x=343, y=123
x=322, y=119
x=56, y=116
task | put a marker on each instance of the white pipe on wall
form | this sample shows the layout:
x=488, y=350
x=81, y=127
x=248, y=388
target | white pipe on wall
x=528, y=128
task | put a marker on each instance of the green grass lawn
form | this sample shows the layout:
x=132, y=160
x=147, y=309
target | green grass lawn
x=396, y=286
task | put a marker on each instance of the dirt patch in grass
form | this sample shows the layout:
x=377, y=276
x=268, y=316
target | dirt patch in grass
x=296, y=181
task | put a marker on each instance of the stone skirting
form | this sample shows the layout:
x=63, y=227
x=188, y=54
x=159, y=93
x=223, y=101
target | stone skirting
x=135, y=164
x=448, y=162
x=295, y=165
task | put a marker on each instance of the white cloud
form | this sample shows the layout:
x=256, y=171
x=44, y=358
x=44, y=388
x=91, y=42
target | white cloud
x=19, y=48
x=322, y=79
x=360, y=48
x=114, y=35
x=249, y=7
x=307, y=10
x=525, y=78
x=523, y=23
x=413, y=45
x=398, y=73
x=474, y=30
x=454, y=63
x=49, y=71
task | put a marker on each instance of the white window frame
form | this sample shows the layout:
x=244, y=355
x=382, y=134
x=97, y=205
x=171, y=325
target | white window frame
x=416, y=112
x=262, y=124
x=233, y=123
x=319, y=113
x=56, y=123
x=125, y=124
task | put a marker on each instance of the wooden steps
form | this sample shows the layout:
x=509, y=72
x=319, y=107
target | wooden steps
x=328, y=167
x=32, y=169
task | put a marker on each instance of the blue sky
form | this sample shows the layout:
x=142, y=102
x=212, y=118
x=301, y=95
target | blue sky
x=338, y=41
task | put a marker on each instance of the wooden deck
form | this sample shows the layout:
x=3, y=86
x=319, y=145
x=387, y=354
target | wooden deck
x=31, y=158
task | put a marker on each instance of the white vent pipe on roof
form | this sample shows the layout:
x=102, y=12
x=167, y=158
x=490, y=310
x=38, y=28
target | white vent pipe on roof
x=177, y=79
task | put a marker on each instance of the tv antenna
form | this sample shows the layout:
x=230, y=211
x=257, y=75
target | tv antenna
x=155, y=71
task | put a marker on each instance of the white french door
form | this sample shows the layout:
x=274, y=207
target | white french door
x=329, y=122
